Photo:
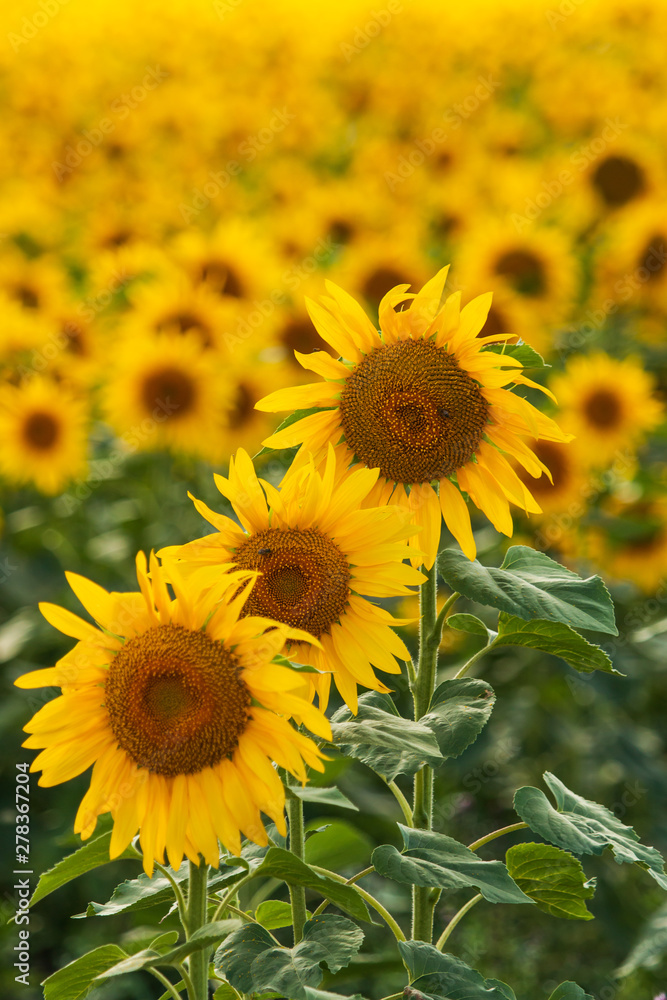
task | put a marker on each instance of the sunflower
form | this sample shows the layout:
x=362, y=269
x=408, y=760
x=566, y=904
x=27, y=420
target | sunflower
x=609, y=404
x=179, y=708
x=424, y=401
x=165, y=390
x=631, y=544
x=43, y=434
x=320, y=556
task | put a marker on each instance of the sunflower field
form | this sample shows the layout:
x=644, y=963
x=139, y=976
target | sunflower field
x=333, y=527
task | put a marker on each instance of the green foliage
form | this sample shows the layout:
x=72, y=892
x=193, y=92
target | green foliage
x=322, y=796
x=87, y=858
x=380, y=738
x=252, y=962
x=432, y=859
x=584, y=827
x=445, y=977
x=555, y=638
x=281, y=864
x=531, y=585
x=274, y=913
x=76, y=980
x=551, y=877
x=521, y=352
x=458, y=712
x=650, y=949
x=569, y=991
x=148, y=958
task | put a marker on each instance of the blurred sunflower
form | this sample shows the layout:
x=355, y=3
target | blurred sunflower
x=633, y=545
x=608, y=404
x=179, y=708
x=572, y=485
x=43, y=434
x=320, y=557
x=423, y=402
x=164, y=391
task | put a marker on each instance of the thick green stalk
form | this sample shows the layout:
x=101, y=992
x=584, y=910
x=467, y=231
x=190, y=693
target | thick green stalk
x=197, y=916
x=297, y=893
x=423, y=900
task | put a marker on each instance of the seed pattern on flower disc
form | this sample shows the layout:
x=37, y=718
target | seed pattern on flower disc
x=410, y=411
x=175, y=700
x=305, y=577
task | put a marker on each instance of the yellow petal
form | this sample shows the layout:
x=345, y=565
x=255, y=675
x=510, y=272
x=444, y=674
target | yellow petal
x=457, y=517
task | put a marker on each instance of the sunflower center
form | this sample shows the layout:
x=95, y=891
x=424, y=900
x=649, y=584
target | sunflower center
x=170, y=389
x=555, y=459
x=244, y=407
x=618, y=179
x=223, y=277
x=305, y=577
x=524, y=271
x=653, y=257
x=380, y=281
x=175, y=700
x=602, y=409
x=300, y=335
x=41, y=431
x=410, y=411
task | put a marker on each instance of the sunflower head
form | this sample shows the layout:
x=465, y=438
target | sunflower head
x=176, y=701
x=427, y=401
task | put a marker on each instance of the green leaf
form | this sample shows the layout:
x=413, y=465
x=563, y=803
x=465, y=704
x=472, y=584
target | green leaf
x=584, y=827
x=471, y=624
x=322, y=796
x=432, y=859
x=180, y=986
x=650, y=948
x=523, y=353
x=251, y=962
x=85, y=859
x=141, y=892
x=555, y=638
x=274, y=913
x=570, y=991
x=223, y=992
x=444, y=976
x=234, y=958
x=204, y=937
x=458, y=712
x=76, y=980
x=282, y=865
x=531, y=585
x=380, y=738
x=553, y=878
x=312, y=994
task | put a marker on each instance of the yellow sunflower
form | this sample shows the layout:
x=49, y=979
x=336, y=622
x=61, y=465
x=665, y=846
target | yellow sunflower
x=423, y=401
x=165, y=390
x=320, y=556
x=609, y=404
x=179, y=708
x=43, y=434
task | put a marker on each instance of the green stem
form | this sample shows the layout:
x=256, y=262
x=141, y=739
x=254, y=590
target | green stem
x=473, y=659
x=224, y=902
x=444, y=612
x=402, y=801
x=496, y=833
x=371, y=900
x=185, y=976
x=197, y=914
x=178, y=893
x=442, y=940
x=297, y=893
x=429, y=639
x=171, y=989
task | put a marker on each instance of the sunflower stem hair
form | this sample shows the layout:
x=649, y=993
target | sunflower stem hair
x=423, y=902
x=297, y=893
x=197, y=916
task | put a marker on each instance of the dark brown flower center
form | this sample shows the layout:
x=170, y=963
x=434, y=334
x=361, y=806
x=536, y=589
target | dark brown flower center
x=555, y=457
x=524, y=272
x=410, y=411
x=305, y=578
x=223, y=278
x=654, y=257
x=175, y=700
x=618, y=180
x=603, y=409
x=300, y=335
x=244, y=407
x=41, y=431
x=380, y=281
x=170, y=389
